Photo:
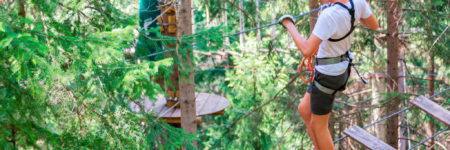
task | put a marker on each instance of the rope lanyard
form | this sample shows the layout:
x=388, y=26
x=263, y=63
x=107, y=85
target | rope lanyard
x=307, y=62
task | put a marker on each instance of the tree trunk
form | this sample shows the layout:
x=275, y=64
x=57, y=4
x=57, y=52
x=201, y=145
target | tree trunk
x=226, y=41
x=392, y=69
x=430, y=125
x=312, y=18
x=22, y=8
x=258, y=22
x=274, y=29
x=187, y=88
x=431, y=77
x=207, y=14
x=377, y=86
x=241, y=25
x=225, y=20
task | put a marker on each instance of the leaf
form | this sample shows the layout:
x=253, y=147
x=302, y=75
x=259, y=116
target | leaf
x=5, y=42
x=3, y=27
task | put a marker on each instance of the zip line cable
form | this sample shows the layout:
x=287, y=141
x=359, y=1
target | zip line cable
x=391, y=115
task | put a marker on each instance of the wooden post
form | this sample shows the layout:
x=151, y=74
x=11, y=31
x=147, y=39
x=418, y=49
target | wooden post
x=187, y=88
x=392, y=69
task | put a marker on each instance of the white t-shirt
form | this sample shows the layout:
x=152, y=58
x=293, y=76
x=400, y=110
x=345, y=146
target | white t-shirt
x=334, y=22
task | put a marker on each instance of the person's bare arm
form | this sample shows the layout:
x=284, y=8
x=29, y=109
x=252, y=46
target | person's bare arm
x=306, y=46
x=370, y=22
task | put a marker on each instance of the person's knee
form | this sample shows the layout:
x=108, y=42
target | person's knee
x=319, y=123
x=304, y=112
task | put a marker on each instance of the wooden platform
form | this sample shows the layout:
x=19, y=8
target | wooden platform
x=365, y=138
x=432, y=108
x=206, y=104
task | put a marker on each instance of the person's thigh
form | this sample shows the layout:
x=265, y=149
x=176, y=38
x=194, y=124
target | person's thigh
x=321, y=102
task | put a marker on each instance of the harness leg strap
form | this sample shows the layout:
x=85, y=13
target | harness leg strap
x=327, y=90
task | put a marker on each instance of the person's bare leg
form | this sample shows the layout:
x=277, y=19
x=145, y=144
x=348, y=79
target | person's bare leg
x=320, y=129
x=304, y=108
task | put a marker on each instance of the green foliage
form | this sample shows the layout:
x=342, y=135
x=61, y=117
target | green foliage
x=253, y=81
x=64, y=82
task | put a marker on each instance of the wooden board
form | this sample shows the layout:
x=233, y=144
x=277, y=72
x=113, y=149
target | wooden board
x=363, y=137
x=206, y=104
x=432, y=108
x=198, y=120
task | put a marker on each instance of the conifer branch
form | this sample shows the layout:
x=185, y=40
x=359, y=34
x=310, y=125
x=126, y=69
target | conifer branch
x=245, y=12
x=293, y=79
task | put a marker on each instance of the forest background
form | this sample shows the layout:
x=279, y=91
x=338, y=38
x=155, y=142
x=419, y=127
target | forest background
x=65, y=82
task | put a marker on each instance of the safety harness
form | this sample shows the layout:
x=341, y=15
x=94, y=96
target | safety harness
x=352, y=20
x=338, y=59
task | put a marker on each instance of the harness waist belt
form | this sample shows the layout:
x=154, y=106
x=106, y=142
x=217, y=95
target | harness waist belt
x=333, y=60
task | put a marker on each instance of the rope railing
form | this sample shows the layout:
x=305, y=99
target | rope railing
x=423, y=141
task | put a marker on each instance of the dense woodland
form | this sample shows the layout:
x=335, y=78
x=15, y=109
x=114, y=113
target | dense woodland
x=65, y=82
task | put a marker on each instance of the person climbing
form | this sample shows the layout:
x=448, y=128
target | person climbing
x=332, y=37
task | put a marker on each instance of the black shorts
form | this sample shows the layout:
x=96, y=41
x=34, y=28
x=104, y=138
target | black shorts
x=322, y=103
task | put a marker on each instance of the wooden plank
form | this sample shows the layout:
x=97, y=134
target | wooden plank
x=201, y=102
x=178, y=120
x=211, y=103
x=432, y=108
x=222, y=112
x=217, y=103
x=174, y=113
x=223, y=103
x=363, y=137
x=206, y=104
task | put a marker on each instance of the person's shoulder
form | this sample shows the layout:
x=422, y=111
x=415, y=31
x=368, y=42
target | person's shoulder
x=329, y=12
x=332, y=12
